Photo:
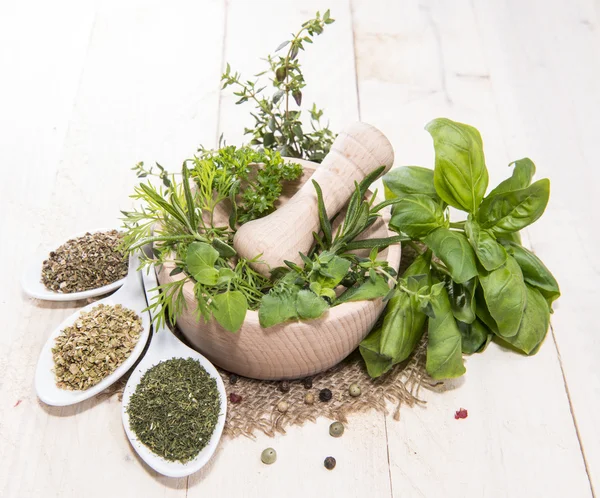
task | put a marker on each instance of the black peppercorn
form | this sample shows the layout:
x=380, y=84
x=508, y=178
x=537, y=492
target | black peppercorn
x=329, y=463
x=233, y=378
x=307, y=383
x=284, y=386
x=325, y=395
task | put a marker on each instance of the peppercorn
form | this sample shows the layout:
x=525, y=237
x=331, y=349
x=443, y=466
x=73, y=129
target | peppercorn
x=233, y=378
x=282, y=406
x=284, y=386
x=235, y=398
x=307, y=383
x=329, y=463
x=354, y=390
x=336, y=429
x=325, y=395
x=309, y=398
x=269, y=456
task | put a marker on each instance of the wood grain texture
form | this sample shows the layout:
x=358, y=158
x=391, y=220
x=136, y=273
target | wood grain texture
x=294, y=349
x=357, y=151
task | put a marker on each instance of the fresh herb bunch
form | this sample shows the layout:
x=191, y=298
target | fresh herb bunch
x=473, y=282
x=278, y=126
x=185, y=227
x=307, y=292
x=254, y=178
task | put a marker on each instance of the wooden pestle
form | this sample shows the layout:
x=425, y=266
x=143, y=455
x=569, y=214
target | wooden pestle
x=357, y=151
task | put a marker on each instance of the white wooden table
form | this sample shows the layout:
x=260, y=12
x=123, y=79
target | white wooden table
x=88, y=89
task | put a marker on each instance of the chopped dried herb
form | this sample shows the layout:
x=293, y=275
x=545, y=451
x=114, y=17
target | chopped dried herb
x=175, y=408
x=94, y=346
x=85, y=263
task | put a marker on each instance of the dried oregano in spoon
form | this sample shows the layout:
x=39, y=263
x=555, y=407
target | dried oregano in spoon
x=175, y=408
x=85, y=263
x=94, y=346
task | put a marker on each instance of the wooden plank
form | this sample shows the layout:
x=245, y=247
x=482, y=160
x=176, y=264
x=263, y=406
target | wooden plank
x=552, y=114
x=142, y=95
x=415, y=63
x=362, y=453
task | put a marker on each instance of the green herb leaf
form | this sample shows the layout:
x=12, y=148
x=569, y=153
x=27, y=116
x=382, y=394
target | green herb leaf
x=533, y=326
x=521, y=177
x=369, y=289
x=505, y=295
x=489, y=252
x=200, y=261
x=512, y=211
x=454, y=250
x=309, y=305
x=276, y=308
x=417, y=215
x=534, y=271
x=377, y=363
x=230, y=310
x=444, y=347
x=336, y=269
x=474, y=336
x=460, y=176
x=400, y=182
x=224, y=249
x=462, y=299
x=323, y=217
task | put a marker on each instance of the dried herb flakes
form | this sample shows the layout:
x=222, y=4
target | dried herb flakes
x=94, y=346
x=85, y=263
x=175, y=408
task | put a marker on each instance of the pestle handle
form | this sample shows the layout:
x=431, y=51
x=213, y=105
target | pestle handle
x=356, y=152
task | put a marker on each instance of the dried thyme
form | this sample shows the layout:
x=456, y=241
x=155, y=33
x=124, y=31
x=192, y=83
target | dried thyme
x=175, y=408
x=85, y=263
x=94, y=346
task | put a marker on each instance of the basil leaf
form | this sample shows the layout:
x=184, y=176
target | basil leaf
x=377, y=364
x=367, y=290
x=416, y=215
x=444, y=350
x=512, y=211
x=521, y=177
x=309, y=305
x=407, y=180
x=230, y=309
x=462, y=299
x=510, y=237
x=200, y=261
x=534, y=271
x=460, y=176
x=489, y=253
x=454, y=250
x=276, y=308
x=482, y=312
x=474, y=336
x=534, y=326
x=505, y=295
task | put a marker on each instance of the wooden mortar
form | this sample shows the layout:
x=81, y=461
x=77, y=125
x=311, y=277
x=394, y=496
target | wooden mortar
x=294, y=349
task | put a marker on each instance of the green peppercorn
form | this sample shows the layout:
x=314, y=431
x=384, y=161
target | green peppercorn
x=336, y=429
x=354, y=390
x=325, y=395
x=309, y=398
x=269, y=456
x=284, y=386
x=283, y=406
x=329, y=463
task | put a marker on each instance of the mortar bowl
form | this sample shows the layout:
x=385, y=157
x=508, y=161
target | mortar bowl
x=293, y=349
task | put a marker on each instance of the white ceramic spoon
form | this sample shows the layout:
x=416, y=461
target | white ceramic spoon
x=131, y=296
x=32, y=285
x=165, y=346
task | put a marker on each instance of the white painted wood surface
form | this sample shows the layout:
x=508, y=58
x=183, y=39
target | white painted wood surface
x=88, y=89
